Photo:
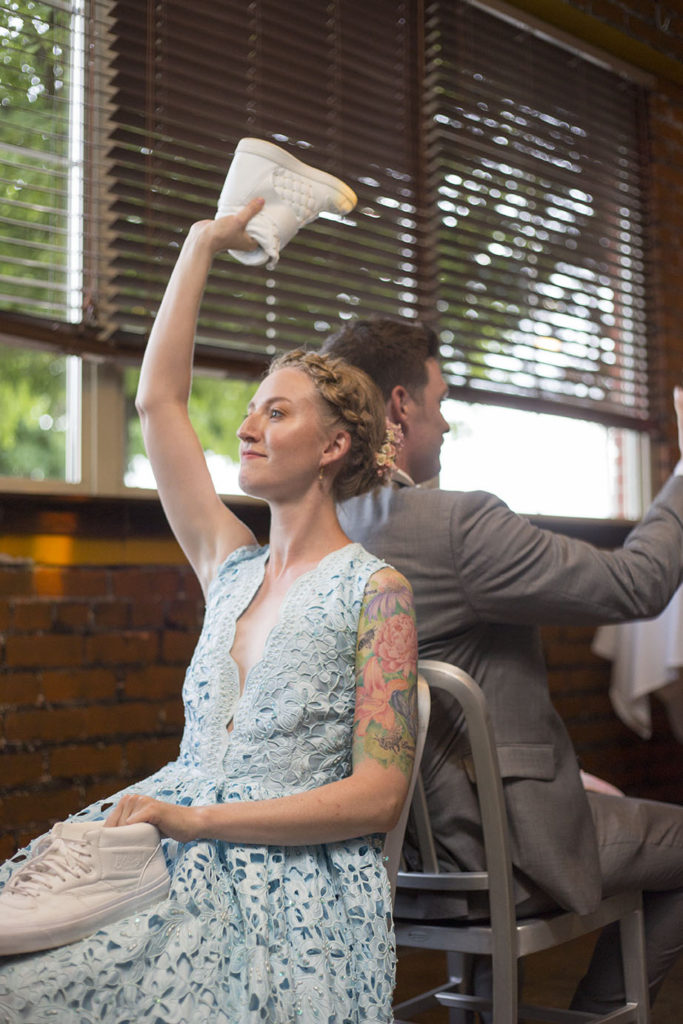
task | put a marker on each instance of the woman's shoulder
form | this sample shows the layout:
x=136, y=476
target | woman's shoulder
x=371, y=573
x=246, y=555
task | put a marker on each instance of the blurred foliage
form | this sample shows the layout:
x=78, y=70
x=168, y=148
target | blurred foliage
x=33, y=420
x=217, y=407
x=34, y=47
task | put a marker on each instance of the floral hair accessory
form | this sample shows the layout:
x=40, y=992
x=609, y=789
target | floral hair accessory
x=385, y=458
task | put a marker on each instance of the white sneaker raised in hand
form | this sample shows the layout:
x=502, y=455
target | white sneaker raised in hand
x=294, y=194
x=80, y=877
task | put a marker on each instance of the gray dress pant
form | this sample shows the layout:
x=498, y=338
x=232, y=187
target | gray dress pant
x=641, y=847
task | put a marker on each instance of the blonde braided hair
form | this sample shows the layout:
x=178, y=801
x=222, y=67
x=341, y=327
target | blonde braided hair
x=353, y=401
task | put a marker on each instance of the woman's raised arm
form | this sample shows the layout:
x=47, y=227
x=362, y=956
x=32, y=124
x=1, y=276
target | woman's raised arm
x=206, y=530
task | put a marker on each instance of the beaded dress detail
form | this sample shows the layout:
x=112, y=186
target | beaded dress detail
x=248, y=933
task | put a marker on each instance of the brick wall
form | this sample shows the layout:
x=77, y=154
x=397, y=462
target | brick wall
x=92, y=661
x=579, y=684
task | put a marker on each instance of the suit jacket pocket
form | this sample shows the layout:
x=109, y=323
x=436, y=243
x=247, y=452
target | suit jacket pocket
x=521, y=760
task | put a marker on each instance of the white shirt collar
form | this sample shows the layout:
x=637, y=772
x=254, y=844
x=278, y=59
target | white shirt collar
x=399, y=476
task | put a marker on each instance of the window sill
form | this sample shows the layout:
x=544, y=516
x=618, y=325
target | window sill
x=139, y=516
x=64, y=529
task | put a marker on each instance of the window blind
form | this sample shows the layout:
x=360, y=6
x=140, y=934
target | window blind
x=36, y=58
x=508, y=209
x=170, y=88
x=189, y=82
x=534, y=162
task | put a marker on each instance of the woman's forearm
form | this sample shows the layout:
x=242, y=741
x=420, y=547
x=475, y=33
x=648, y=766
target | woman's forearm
x=366, y=802
x=340, y=810
x=166, y=373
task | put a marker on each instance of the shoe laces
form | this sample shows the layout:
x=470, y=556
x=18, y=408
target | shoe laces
x=56, y=859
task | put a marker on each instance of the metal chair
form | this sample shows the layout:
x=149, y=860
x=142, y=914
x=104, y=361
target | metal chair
x=394, y=839
x=504, y=938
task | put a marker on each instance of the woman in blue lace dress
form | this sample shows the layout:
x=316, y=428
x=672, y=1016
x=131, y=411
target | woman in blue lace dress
x=299, y=730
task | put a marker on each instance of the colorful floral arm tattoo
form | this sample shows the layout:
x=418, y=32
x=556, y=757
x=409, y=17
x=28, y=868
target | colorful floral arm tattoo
x=386, y=673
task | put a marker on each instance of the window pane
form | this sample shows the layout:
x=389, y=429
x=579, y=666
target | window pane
x=33, y=425
x=217, y=407
x=535, y=156
x=36, y=186
x=541, y=464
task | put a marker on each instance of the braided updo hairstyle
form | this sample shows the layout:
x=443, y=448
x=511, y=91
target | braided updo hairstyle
x=353, y=401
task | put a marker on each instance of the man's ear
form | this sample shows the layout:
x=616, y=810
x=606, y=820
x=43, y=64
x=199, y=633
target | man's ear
x=397, y=406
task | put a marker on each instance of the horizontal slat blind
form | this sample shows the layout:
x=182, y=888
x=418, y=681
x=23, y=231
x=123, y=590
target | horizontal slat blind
x=35, y=96
x=189, y=81
x=530, y=180
x=534, y=160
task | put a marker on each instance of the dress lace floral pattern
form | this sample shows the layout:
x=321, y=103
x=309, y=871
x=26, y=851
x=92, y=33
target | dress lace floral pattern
x=248, y=933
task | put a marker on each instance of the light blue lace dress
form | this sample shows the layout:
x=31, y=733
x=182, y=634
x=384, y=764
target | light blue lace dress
x=249, y=933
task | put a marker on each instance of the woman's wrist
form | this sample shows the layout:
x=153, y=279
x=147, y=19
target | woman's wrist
x=202, y=235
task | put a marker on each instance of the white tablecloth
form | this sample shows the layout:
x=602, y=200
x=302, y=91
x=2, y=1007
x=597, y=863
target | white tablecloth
x=647, y=658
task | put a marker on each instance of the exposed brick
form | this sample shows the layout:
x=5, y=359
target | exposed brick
x=72, y=615
x=147, y=614
x=4, y=615
x=53, y=725
x=102, y=790
x=20, y=769
x=71, y=582
x=579, y=705
x=121, y=648
x=8, y=847
x=172, y=713
x=21, y=808
x=122, y=719
x=112, y=614
x=154, y=682
x=90, y=684
x=31, y=615
x=191, y=587
x=177, y=647
x=19, y=688
x=44, y=650
x=16, y=579
x=157, y=583
x=88, y=759
x=604, y=731
x=145, y=757
x=185, y=614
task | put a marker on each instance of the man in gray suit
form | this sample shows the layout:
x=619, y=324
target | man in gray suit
x=484, y=580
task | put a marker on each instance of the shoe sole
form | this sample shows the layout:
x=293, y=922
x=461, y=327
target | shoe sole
x=51, y=936
x=346, y=197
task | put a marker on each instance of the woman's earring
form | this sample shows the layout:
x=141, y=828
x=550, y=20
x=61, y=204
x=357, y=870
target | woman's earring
x=321, y=475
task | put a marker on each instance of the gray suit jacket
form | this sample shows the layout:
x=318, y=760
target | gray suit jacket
x=484, y=579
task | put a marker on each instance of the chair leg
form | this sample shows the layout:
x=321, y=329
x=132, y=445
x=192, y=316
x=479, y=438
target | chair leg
x=459, y=969
x=633, y=959
x=505, y=982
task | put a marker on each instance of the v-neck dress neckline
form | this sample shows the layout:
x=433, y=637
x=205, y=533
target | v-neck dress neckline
x=289, y=595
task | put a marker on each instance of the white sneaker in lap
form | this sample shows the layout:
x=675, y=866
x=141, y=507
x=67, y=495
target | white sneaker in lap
x=294, y=194
x=80, y=877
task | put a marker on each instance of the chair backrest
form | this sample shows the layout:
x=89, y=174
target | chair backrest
x=394, y=840
x=497, y=878
x=503, y=938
